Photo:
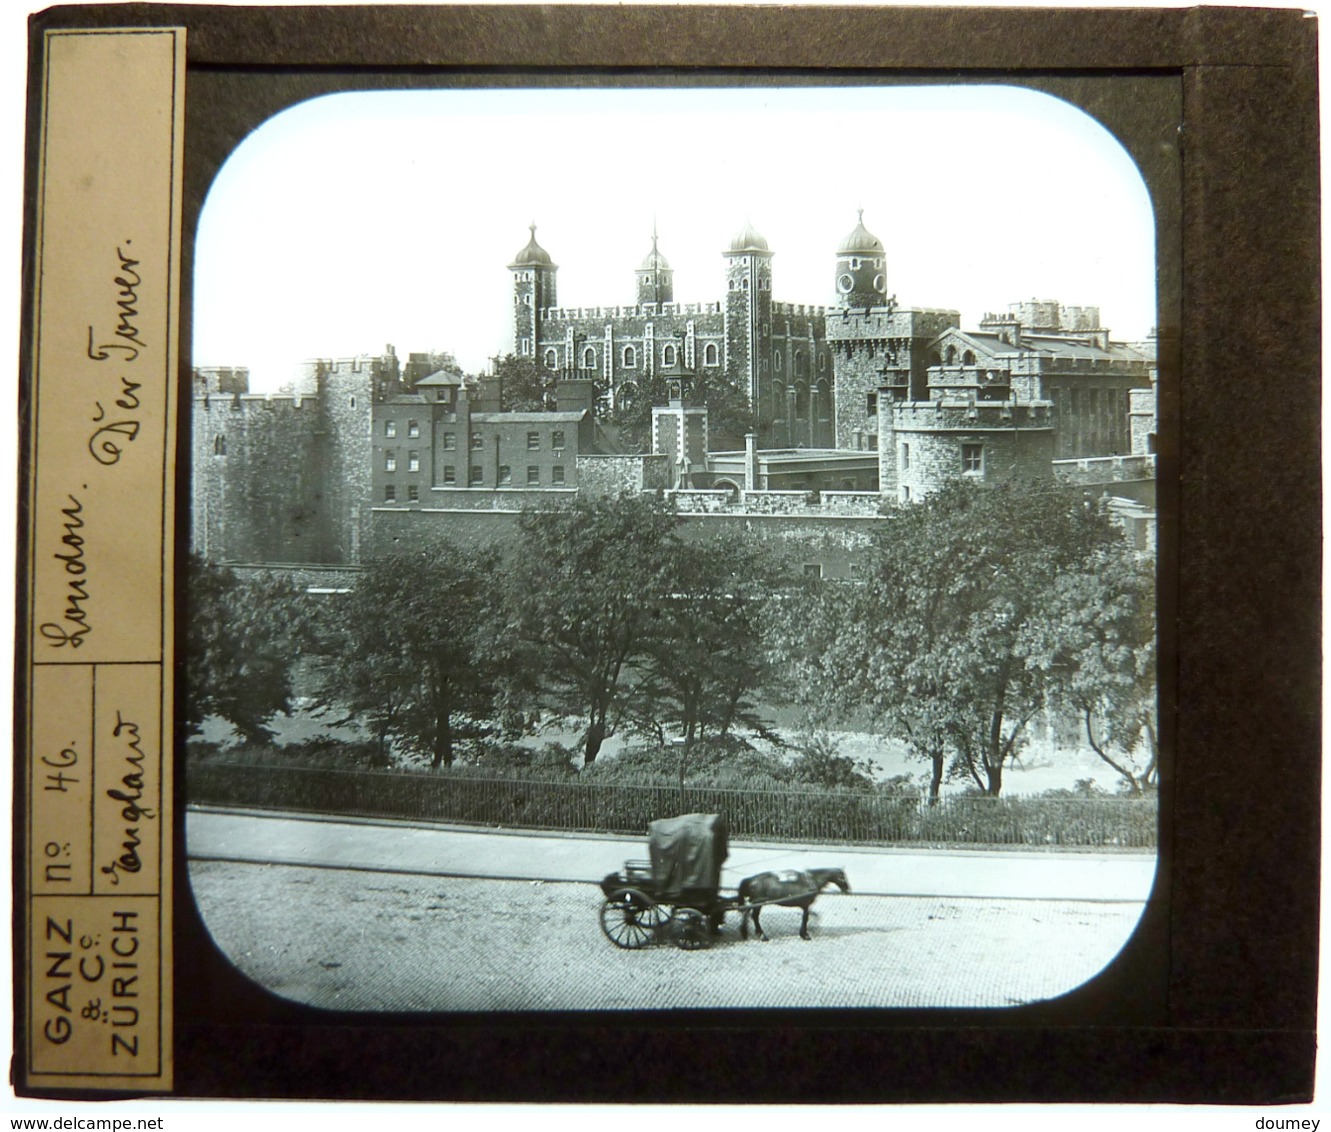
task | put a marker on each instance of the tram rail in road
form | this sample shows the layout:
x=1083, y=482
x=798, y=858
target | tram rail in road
x=381, y=845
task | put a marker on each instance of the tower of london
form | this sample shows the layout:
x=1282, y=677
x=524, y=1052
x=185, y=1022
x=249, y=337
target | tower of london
x=853, y=406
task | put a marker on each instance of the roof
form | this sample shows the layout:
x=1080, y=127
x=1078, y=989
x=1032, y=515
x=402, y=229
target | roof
x=529, y=418
x=441, y=377
x=861, y=241
x=654, y=260
x=687, y=852
x=747, y=239
x=533, y=255
x=1048, y=345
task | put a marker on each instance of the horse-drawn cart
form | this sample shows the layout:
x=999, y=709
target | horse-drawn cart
x=676, y=895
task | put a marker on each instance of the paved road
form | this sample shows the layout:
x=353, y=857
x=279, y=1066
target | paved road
x=440, y=850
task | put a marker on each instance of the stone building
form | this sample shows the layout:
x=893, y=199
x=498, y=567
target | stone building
x=854, y=406
x=775, y=353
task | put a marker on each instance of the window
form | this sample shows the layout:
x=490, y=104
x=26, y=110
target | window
x=972, y=459
x=524, y=347
x=413, y=461
x=533, y=476
x=477, y=441
x=550, y=359
x=709, y=354
x=477, y=474
x=813, y=570
x=390, y=460
x=589, y=358
x=533, y=442
x=505, y=474
x=630, y=357
x=219, y=445
x=450, y=474
x=390, y=494
x=390, y=428
x=905, y=494
x=667, y=355
x=450, y=441
x=557, y=440
x=557, y=474
x=905, y=456
x=871, y=404
x=413, y=493
x=413, y=428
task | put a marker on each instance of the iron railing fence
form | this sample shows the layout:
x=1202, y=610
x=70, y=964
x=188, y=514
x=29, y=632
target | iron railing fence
x=1108, y=822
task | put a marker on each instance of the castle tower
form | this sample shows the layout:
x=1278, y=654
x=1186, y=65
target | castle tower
x=861, y=269
x=656, y=280
x=880, y=352
x=533, y=292
x=749, y=322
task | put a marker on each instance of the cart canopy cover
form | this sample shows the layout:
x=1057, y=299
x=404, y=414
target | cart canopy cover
x=688, y=851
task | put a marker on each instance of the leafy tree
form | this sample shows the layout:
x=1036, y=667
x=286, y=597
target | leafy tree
x=524, y=386
x=1098, y=642
x=705, y=655
x=415, y=653
x=947, y=644
x=586, y=594
x=242, y=636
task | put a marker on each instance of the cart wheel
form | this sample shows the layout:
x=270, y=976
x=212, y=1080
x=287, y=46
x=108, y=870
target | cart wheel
x=631, y=919
x=690, y=930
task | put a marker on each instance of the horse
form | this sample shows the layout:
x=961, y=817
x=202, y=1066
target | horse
x=790, y=889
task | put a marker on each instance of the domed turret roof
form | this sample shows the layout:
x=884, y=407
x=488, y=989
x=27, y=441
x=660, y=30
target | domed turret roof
x=747, y=239
x=655, y=261
x=533, y=255
x=861, y=241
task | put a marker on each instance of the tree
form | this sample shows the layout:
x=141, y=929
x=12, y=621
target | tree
x=948, y=642
x=586, y=592
x=415, y=653
x=1098, y=642
x=524, y=386
x=705, y=655
x=242, y=636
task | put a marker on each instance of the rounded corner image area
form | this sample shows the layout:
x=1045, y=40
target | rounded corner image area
x=725, y=582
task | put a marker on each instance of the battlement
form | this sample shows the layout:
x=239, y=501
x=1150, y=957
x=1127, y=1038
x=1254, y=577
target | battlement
x=970, y=415
x=632, y=310
x=799, y=310
x=1105, y=469
x=863, y=324
x=778, y=504
x=247, y=402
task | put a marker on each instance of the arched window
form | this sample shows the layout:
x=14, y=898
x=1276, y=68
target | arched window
x=801, y=364
x=744, y=283
x=589, y=358
x=628, y=393
x=219, y=445
x=709, y=354
x=776, y=359
x=951, y=355
x=550, y=359
x=668, y=355
x=630, y=356
x=968, y=358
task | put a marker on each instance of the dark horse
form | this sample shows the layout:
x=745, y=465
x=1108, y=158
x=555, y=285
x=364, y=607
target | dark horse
x=791, y=889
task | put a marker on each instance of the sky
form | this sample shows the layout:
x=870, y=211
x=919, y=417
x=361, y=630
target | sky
x=356, y=220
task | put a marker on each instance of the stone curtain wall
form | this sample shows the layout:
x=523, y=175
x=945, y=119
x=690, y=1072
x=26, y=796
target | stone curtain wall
x=258, y=483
